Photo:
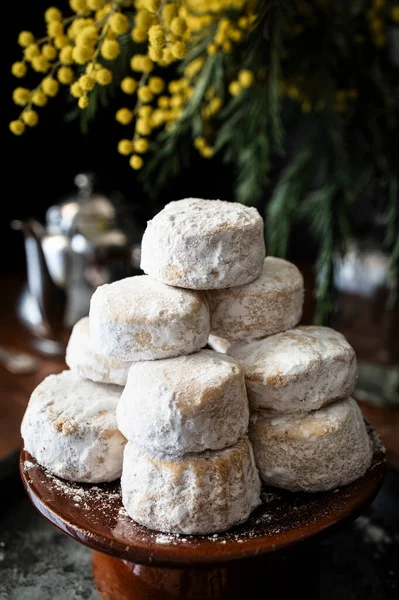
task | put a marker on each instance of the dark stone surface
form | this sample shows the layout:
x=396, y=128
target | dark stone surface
x=360, y=562
x=38, y=562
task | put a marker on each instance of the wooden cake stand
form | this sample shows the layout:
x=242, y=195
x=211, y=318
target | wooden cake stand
x=132, y=562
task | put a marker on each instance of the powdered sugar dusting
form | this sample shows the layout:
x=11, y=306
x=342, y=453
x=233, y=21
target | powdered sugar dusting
x=164, y=538
x=376, y=441
x=375, y=535
x=29, y=465
x=86, y=497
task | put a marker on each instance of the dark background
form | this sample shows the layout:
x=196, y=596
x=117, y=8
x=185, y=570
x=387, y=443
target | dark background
x=41, y=164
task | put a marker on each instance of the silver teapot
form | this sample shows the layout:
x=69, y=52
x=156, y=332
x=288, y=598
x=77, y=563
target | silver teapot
x=87, y=240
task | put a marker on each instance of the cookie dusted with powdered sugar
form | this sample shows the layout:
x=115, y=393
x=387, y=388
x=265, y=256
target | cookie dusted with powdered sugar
x=194, y=494
x=70, y=428
x=186, y=404
x=268, y=305
x=204, y=244
x=80, y=357
x=298, y=370
x=138, y=318
x=312, y=452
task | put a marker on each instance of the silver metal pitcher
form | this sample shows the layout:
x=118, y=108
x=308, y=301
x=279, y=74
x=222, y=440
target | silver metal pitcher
x=87, y=240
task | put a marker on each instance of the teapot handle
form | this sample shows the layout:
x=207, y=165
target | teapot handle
x=50, y=298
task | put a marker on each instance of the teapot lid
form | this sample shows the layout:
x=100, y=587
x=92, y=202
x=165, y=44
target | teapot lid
x=87, y=213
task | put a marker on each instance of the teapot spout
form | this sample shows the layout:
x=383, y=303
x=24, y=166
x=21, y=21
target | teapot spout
x=30, y=228
x=48, y=296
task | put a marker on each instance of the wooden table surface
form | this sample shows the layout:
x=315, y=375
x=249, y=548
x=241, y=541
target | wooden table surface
x=15, y=390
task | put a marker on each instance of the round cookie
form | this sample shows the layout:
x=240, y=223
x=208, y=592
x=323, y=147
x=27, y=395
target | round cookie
x=138, y=318
x=268, y=305
x=311, y=452
x=195, y=494
x=298, y=370
x=70, y=428
x=186, y=404
x=80, y=357
x=204, y=244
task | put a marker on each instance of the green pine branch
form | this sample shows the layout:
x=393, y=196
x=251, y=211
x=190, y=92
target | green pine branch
x=282, y=209
x=251, y=130
x=392, y=237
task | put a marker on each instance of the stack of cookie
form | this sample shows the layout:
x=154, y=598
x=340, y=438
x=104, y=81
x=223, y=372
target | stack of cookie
x=307, y=432
x=188, y=465
x=70, y=423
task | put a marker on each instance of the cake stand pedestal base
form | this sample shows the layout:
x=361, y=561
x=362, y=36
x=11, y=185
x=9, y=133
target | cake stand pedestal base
x=116, y=579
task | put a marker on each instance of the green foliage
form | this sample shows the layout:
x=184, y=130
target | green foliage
x=316, y=134
x=251, y=130
x=392, y=236
x=283, y=207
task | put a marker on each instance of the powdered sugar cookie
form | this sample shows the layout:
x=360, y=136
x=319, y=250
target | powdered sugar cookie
x=204, y=244
x=298, y=370
x=70, y=428
x=185, y=404
x=314, y=451
x=194, y=494
x=269, y=304
x=139, y=318
x=80, y=357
